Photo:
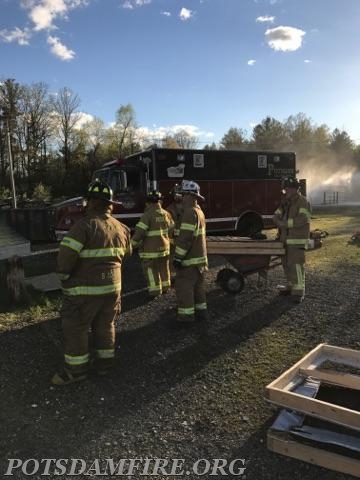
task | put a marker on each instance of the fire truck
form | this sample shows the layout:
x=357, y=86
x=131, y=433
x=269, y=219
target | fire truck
x=242, y=188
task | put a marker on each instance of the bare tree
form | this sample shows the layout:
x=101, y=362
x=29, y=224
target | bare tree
x=10, y=92
x=34, y=130
x=185, y=139
x=125, y=130
x=65, y=105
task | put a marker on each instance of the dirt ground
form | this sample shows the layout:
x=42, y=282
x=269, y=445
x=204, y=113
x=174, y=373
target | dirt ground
x=179, y=394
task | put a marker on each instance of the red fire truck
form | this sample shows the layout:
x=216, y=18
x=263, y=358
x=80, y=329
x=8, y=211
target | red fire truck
x=242, y=188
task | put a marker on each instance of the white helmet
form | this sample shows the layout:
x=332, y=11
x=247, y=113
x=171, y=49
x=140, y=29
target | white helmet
x=189, y=186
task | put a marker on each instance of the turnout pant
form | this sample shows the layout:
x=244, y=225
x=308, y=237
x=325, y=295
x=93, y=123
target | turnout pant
x=81, y=314
x=157, y=274
x=190, y=293
x=294, y=267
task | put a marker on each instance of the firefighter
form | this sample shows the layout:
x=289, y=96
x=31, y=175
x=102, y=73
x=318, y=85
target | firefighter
x=190, y=259
x=152, y=238
x=89, y=266
x=293, y=221
x=175, y=209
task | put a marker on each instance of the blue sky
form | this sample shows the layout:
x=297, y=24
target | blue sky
x=205, y=64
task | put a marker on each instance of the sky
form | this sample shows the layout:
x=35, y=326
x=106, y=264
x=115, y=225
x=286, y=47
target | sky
x=202, y=65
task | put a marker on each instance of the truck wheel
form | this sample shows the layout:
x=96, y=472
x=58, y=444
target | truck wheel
x=250, y=224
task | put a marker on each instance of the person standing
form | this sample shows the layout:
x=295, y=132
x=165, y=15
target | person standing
x=175, y=208
x=152, y=238
x=293, y=221
x=190, y=258
x=89, y=266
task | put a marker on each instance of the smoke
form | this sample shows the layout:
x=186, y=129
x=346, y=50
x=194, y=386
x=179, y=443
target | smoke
x=330, y=177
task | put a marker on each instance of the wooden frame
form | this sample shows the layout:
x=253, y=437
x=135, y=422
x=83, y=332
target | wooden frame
x=243, y=246
x=280, y=391
x=340, y=463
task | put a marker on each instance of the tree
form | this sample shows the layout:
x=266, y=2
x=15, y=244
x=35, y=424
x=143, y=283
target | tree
x=125, y=130
x=34, y=131
x=65, y=105
x=185, y=139
x=234, y=139
x=169, y=142
x=270, y=134
x=93, y=136
x=10, y=92
x=299, y=129
x=341, y=142
x=212, y=146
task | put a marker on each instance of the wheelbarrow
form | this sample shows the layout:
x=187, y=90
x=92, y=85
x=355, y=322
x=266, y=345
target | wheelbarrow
x=246, y=256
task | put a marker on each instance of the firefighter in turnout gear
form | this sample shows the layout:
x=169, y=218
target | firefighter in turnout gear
x=89, y=266
x=152, y=238
x=175, y=208
x=293, y=221
x=190, y=259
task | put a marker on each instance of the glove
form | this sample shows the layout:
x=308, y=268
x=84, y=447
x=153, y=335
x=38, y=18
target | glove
x=177, y=262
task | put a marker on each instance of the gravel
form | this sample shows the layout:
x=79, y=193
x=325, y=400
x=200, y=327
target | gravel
x=176, y=394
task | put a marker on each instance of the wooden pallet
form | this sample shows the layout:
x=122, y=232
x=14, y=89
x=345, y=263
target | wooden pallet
x=277, y=442
x=279, y=391
x=243, y=246
x=333, y=366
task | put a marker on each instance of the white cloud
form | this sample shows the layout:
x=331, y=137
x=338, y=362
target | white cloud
x=307, y=61
x=167, y=14
x=251, y=62
x=265, y=18
x=22, y=37
x=43, y=13
x=83, y=118
x=158, y=133
x=130, y=4
x=59, y=49
x=285, y=39
x=185, y=14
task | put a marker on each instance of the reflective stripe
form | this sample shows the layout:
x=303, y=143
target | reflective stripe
x=180, y=251
x=166, y=283
x=199, y=232
x=154, y=289
x=72, y=243
x=306, y=212
x=77, y=359
x=278, y=212
x=186, y=311
x=102, y=252
x=297, y=241
x=195, y=261
x=63, y=276
x=106, y=353
x=142, y=225
x=158, y=233
x=92, y=290
x=300, y=278
x=290, y=223
x=200, y=306
x=150, y=255
x=187, y=226
x=151, y=280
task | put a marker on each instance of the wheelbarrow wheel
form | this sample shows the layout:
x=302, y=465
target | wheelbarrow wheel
x=222, y=275
x=231, y=281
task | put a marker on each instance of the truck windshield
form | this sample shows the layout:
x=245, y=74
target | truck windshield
x=102, y=175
